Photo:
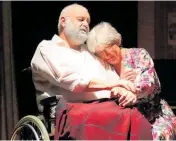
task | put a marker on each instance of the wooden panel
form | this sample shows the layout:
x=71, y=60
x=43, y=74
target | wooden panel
x=162, y=49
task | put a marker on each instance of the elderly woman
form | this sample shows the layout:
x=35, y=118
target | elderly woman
x=104, y=41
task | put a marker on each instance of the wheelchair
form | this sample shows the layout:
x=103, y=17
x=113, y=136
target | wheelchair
x=39, y=127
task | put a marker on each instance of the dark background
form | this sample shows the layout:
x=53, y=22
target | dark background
x=34, y=21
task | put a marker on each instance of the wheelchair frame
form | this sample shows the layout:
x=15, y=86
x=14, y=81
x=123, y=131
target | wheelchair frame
x=40, y=127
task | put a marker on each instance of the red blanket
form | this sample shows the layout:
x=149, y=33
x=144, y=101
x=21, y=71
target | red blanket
x=101, y=120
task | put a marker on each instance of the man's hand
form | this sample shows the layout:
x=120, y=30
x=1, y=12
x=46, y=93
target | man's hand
x=128, y=85
x=126, y=98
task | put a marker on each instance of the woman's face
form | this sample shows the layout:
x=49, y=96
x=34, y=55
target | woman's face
x=110, y=54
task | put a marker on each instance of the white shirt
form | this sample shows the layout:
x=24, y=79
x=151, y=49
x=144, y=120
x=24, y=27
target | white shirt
x=59, y=70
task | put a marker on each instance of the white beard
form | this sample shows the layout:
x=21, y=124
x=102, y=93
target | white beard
x=74, y=33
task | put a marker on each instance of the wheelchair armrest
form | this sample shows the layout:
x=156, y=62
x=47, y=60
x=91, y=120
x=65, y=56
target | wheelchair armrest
x=51, y=101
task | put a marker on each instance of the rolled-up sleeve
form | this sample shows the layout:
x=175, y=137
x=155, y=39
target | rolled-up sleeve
x=65, y=68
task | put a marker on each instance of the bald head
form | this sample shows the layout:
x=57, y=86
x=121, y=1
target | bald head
x=73, y=11
x=73, y=25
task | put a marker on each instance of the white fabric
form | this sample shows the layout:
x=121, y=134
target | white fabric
x=60, y=70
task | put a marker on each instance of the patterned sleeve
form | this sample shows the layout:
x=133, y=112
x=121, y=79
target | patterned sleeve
x=147, y=81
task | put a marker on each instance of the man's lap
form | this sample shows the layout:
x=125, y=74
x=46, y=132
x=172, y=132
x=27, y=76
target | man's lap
x=101, y=120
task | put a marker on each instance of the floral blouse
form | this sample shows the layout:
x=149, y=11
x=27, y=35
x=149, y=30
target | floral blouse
x=147, y=82
x=156, y=110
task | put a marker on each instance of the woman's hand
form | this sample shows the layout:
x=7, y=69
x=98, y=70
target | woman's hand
x=125, y=97
x=129, y=75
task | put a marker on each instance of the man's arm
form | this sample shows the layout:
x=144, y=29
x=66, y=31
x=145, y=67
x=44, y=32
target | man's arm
x=98, y=85
x=56, y=65
x=81, y=83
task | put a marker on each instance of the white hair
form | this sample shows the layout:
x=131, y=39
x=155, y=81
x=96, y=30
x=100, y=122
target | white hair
x=65, y=11
x=101, y=35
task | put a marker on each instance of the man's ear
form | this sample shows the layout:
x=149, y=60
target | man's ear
x=62, y=21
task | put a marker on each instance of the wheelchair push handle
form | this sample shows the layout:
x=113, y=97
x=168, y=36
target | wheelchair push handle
x=51, y=101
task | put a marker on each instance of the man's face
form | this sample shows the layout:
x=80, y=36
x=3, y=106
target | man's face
x=77, y=25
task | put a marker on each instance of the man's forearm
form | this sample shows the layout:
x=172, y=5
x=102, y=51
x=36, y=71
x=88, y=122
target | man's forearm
x=97, y=85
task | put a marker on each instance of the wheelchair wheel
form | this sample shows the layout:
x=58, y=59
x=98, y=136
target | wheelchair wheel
x=30, y=128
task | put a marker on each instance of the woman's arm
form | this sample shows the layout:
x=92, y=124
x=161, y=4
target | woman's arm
x=147, y=82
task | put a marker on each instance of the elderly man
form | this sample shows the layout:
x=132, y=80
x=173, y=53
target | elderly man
x=63, y=66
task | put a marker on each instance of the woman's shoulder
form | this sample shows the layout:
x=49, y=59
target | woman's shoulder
x=134, y=50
